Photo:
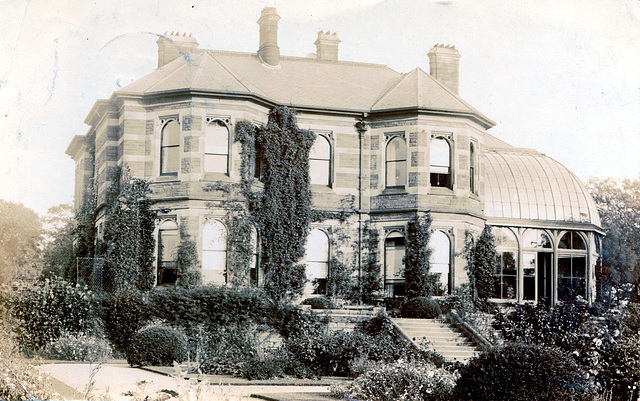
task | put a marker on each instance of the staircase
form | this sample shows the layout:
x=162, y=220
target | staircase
x=442, y=338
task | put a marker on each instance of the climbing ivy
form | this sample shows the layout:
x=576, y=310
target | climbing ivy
x=419, y=282
x=282, y=209
x=188, y=275
x=370, y=282
x=129, y=234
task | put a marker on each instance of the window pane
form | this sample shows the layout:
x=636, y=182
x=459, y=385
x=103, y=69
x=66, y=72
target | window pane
x=216, y=139
x=396, y=173
x=317, y=249
x=171, y=134
x=505, y=238
x=579, y=264
x=214, y=236
x=215, y=163
x=214, y=260
x=396, y=150
x=169, y=241
x=577, y=242
x=565, y=241
x=508, y=263
x=394, y=258
x=564, y=267
x=170, y=160
x=440, y=153
x=319, y=172
x=320, y=149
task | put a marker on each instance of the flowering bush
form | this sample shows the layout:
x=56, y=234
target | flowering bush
x=400, y=381
x=43, y=311
x=78, y=347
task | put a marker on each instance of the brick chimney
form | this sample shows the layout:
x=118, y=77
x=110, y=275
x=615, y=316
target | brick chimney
x=444, y=65
x=269, y=52
x=327, y=46
x=172, y=46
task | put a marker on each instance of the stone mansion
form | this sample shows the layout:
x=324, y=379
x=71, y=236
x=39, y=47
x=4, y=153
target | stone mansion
x=388, y=145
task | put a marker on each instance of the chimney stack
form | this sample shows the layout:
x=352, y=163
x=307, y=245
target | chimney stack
x=172, y=46
x=327, y=46
x=444, y=65
x=269, y=52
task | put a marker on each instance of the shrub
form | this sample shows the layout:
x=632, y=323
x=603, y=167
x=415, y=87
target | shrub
x=522, y=372
x=45, y=310
x=123, y=314
x=318, y=303
x=400, y=381
x=157, y=346
x=622, y=367
x=78, y=347
x=421, y=307
x=631, y=319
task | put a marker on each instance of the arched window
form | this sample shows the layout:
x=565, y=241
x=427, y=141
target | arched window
x=506, y=273
x=537, y=263
x=214, y=252
x=472, y=168
x=216, y=148
x=320, y=162
x=440, y=156
x=572, y=267
x=168, y=241
x=394, y=251
x=170, y=148
x=396, y=163
x=440, y=262
x=317, y=258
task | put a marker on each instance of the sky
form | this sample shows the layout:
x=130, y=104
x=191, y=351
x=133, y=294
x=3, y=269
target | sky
x=560, y=76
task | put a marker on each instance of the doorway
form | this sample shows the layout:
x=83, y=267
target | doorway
x=545, y=294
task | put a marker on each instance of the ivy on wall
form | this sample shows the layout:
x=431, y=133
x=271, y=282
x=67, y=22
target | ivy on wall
x=129, y=234
x=370, y=282
x=189, y=269
x=282, y=209
x=419, y=281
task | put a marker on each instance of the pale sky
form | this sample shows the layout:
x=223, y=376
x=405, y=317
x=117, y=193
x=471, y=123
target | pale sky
x=562, y=77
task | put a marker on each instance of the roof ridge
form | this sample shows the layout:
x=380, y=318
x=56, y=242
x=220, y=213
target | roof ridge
x=227, y=69
x=186, y=64
x=401, y=79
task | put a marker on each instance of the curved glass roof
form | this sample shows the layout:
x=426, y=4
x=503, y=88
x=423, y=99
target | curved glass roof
x=523, y=184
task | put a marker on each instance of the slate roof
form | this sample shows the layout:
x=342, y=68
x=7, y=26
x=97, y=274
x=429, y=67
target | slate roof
x=304, y=82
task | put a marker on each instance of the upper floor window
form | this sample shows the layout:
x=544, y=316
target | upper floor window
x=472, y=168
x=320, y=161
x=168, y=241
x=396, y=163
x=216, y=148
x=170, y=148
x=440, y=157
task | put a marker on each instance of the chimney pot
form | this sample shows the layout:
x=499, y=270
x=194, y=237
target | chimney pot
x=327, y=46
x=444, y=65
x=269, y=52
x=173, y=46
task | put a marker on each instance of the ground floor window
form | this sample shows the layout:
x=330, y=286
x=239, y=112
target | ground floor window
x=394, y=251
x=317, y=260
x=506, y=276
x=440, y=262
x=214, y=252
x=572, y=277
x=168, y=241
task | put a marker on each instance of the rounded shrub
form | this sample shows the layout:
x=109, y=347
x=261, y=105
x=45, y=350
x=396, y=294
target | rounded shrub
x=318, y=303
x=519, y=372
x=157, y=346
x=421, y=308
x=123, y=314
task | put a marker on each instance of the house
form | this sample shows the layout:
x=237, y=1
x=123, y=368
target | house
x=388, y=145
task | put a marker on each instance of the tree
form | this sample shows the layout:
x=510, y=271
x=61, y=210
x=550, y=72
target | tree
x=618, y=202
x=129, y=235
x=482, y=259
x=20, y=235
x=58, y=252
x=419, y=281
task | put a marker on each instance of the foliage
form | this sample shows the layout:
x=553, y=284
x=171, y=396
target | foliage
x=523, y=372
x=339, y=282
x=157, y=346
x=621, y=373
x=19, y=239
x=85, y=227
x=187, y=261
x=618, y=203
x=282, y=210
x=78, y=347
x=419, y=281
x=35, y=381
x=210, y=305
x=58, y=253
x=129, y=234
x=370, y=282
x=241, y=252
x=123, y=314
x=400, y=381
x=44, y=310
x=421, y=308
x=482, y=259
x=318, y=303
